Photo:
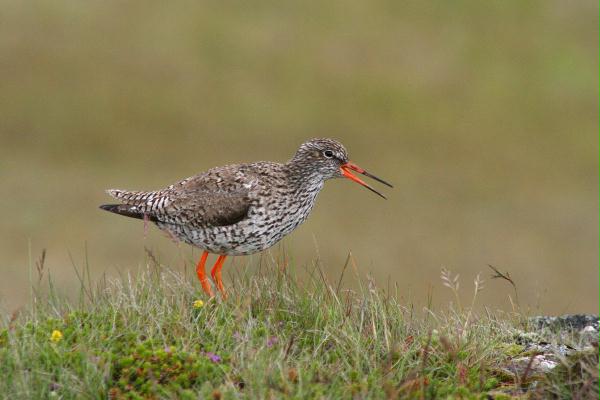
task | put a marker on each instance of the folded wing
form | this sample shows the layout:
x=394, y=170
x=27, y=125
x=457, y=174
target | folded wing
x=219, y=197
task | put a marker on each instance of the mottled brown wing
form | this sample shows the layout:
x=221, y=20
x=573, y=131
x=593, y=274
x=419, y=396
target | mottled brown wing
x=207, y=209
x=219, y=197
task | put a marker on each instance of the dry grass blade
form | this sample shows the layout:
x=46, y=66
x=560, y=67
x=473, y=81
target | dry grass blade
x=39, y=265
x=448, y=280
x=337, y=289
x=506, y=276
x=453, y=283
x=152, y=257
x=288, y=348
x=528, y=369
x=479, y=283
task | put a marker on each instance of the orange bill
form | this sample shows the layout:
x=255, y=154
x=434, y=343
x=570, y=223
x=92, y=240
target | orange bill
x=346, y=168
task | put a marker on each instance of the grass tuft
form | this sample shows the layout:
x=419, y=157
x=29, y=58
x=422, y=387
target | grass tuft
x=154, y=335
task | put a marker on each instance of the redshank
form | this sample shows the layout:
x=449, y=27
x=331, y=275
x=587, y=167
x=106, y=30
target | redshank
x=241, y=209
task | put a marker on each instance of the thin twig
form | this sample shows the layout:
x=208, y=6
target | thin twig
x=288, y=348
x=528, y=368
x=337, y=289
x=506, y=277
x=152, y=257
x=81, y=278
x=39, y=265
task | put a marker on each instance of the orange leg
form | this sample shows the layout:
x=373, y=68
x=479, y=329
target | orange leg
x=202, y=274
x=216, y=274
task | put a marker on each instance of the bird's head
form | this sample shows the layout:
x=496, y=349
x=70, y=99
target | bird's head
x=326, y=159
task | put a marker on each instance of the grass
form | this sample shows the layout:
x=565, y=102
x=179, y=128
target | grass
x=154, y=335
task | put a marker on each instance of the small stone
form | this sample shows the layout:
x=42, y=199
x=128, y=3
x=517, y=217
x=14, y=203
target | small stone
x=541, y=364
x=588, y=329
x=545, y=365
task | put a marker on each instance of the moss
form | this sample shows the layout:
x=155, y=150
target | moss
x=3, y=338
x=512, y=349
x=149, y=370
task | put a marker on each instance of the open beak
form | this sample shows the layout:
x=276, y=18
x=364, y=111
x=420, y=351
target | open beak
x=346, y=168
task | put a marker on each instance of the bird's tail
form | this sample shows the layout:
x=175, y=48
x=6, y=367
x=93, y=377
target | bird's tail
x=136, y=198
x=142, y=205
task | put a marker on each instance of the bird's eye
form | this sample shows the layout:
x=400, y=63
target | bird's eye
x=328, y=153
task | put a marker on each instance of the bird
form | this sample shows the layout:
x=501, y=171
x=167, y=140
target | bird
x=241, y=209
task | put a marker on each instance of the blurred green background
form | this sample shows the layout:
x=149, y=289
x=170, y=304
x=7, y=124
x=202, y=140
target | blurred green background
x=483, y=114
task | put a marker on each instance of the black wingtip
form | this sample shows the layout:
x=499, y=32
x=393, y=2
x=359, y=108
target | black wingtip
x=126, y=210
x=110, y=207
x=115, y=208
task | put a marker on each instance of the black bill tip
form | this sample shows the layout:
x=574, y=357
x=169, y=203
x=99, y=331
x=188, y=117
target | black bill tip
x=376, y=192
x=365, y=173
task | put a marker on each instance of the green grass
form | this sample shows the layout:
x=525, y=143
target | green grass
x=276, y=336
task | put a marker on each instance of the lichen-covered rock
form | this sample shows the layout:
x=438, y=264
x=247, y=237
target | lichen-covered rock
x=576, y=331
x=533, y=366
x=553, y=346
x=574, y=322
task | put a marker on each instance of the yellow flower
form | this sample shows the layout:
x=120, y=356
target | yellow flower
x=56, y=336
x=198, y=304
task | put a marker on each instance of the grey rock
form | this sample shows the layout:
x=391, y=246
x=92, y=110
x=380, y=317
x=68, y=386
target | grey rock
x=534, y=365
x=574, y=322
